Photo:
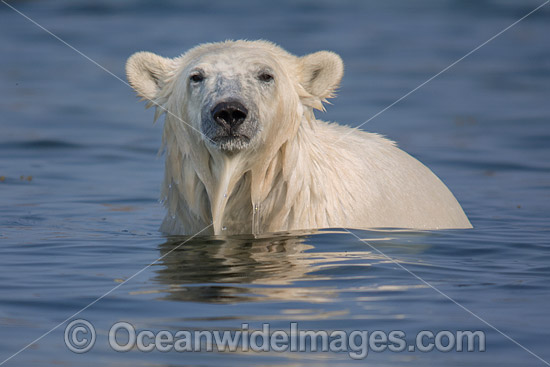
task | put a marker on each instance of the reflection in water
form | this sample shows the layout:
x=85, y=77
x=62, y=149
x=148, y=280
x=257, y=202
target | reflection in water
x=244, y=268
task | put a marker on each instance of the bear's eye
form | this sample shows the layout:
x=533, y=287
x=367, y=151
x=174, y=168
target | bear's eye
x=265, y=77
x=196, y=78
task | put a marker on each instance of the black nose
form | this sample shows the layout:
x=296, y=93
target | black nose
x=229, y=114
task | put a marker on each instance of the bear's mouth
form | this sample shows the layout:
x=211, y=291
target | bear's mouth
x=231, y=141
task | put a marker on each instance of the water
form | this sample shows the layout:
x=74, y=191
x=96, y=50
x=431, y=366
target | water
x=79, y=195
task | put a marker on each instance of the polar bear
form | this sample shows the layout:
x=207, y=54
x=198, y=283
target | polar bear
x=246, y=154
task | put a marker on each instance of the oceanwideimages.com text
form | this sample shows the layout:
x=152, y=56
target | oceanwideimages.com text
x=80, y=337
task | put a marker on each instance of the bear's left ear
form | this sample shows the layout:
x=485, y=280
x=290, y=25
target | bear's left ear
x=321, y=73
x=147, y=73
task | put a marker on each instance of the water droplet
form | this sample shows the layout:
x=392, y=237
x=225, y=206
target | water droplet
x=224, y=228
x=170, y=186
x=173, y=216
x=256, y=219
x=225, y=195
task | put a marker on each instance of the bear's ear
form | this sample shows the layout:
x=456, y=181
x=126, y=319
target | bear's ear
x=321, y=73
x=147, y=73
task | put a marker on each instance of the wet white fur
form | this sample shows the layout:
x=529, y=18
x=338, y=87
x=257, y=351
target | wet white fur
x=297, y=173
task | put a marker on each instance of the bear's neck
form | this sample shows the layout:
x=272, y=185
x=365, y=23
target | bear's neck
x=201, y=188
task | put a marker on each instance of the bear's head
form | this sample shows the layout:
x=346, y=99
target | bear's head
x=236, y=96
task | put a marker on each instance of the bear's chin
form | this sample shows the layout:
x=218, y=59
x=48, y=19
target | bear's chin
x=231, y=143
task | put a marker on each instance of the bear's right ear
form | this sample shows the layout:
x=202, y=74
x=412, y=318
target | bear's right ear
x=147, y=73
x=321, y=73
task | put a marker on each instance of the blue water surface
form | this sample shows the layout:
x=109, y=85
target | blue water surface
x=80, y=180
